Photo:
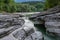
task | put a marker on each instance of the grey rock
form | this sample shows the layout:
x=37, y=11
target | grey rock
x=4, y=24
x=13, y=27
x=23, y=33
x=9, y=23
x=52, y=24
x=29, y=38
x=35, y=36
x=6, y=31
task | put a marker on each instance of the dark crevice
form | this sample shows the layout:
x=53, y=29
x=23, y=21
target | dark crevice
x=41, y=27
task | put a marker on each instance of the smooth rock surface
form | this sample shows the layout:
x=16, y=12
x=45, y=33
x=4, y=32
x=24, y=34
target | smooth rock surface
x=18, y=28
x=52, y=24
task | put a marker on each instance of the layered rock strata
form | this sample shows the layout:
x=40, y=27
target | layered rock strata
x=14, y=27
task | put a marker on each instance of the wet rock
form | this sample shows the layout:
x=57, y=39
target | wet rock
x=37, y=36
x=17, y=28
x=4, y=24
x=8, y=24
x=21, y=34
x=52, y=24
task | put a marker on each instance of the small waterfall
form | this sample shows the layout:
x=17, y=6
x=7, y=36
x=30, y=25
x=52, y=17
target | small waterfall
x=29, y=23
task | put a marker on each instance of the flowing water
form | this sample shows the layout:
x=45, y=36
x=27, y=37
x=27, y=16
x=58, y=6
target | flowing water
x=42, y=29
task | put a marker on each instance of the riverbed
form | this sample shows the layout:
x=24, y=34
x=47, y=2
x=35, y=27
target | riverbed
x=42, y=29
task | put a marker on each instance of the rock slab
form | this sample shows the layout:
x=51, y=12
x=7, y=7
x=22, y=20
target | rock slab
x=16, y=28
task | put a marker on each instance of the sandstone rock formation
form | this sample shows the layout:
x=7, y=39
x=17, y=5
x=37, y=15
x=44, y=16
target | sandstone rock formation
x=14, y=27
x=52, y=24
x=9, y=23
x=51, y=18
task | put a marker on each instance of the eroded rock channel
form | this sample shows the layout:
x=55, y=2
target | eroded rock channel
x=15, y=27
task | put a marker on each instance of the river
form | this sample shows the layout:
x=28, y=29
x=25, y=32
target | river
x=42, y=29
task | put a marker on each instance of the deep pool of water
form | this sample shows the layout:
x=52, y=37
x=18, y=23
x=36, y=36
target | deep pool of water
x=42, y=29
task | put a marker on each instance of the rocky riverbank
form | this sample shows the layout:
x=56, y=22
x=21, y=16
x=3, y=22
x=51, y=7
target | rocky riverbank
x=15, y=27
x=51, y=21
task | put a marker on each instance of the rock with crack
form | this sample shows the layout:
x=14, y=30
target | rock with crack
x=35, y=36
x=9, y=23
x=28, y=34
x=19, y=29
x=52, y=24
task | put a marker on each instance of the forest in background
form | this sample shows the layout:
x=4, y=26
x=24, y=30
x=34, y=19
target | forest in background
x=51, y=3
x=32, y=6
x=12, y=6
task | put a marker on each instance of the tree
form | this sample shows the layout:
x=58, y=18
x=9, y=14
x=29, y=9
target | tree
x=51, y=3
x=7, y=5
x=25, y=8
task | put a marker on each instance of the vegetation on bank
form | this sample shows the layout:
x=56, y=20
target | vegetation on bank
x=7, y=6
x=32, y=6
x=12, y=6
x=51, y=3
x=39, y=5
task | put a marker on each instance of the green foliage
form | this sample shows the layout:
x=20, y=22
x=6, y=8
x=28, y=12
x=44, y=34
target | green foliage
x=11, y=6
x=25, y=8
x=51, y=3
x=39, y=5
x=7, y=6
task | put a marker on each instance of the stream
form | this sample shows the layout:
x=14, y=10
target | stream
x=28, y=23
x=42, y=29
